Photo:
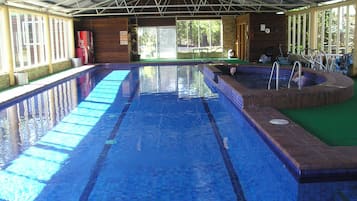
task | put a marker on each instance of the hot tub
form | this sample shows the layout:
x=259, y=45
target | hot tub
x=249, y=87
x=258, y=77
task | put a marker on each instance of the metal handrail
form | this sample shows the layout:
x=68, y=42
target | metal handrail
x=315, y=58
x=296, y=63
x=275, y=67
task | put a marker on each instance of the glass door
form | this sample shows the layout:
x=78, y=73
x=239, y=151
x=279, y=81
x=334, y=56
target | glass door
x=167, y=42
x=157, y=42
x=147, y=42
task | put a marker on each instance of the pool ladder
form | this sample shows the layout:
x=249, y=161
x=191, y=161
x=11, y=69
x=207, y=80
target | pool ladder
x=276, y=67
x=298, y=64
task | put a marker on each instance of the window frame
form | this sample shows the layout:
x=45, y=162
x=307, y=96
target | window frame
x=59, y=36
x=27, y=51
x=210, y=47
x=322, y=33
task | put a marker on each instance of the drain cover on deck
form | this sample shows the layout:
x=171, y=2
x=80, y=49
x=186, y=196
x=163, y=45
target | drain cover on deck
x=279, y=121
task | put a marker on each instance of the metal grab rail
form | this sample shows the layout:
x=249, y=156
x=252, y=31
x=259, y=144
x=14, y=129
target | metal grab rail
x=320, y=60
x=315, y=58
x=296, y=63
x=276, y=67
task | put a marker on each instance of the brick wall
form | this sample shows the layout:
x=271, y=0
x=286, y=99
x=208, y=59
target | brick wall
x=229, y=33
x=36, y=73
x=4, y=81
x=61, y=66
x=259, y=41
x=106, y=37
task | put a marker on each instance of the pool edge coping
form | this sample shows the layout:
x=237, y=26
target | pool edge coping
x=10, y=96
x=307, y=157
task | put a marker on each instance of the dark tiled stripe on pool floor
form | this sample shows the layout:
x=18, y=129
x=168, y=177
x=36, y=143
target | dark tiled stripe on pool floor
x=227, y=160
x=103, y=155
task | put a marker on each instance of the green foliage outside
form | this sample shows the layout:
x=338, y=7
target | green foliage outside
x=199, y=34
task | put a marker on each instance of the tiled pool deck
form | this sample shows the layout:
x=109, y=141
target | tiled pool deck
x=10, y=96
x=308, y=158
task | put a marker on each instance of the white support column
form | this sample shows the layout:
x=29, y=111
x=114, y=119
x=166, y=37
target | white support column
x=338, y=30
x=20, y=42
x=304, y=31
x=71, y=39
x=26, y=41
x=347, y=28
x=308, y=42
x=329, y=49
x=289, y=34
x=48, y=42
x=313, y=29
x=298, y=43
x=61, y=36
x=66, y=34
x=8, y=57
x=42, y=39
x=322, y=31
x=293, y=43
x=354, y=68
x=56, y=42
x=35, y=24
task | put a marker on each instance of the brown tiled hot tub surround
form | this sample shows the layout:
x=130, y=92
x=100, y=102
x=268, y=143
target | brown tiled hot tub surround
x=305, y=156
x=335, y=89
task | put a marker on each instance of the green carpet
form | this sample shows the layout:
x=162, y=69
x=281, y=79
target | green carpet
x=336, y=125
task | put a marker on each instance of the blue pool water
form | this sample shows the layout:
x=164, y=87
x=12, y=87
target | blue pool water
x=152, y=133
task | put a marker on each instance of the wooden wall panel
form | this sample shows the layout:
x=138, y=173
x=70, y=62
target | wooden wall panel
x=106, y=31
x=229, y=33
x=145, y=22
x=242, y=37
x=259, y=41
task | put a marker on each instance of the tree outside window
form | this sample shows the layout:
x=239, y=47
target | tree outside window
x=199, y=34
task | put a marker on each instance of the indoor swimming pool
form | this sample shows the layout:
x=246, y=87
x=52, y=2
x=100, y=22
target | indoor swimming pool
x=157, y=133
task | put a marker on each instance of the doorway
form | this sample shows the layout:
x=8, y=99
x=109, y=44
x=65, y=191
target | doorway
x=242, y=37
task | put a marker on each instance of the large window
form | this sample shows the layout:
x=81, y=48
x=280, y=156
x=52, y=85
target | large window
x=193, y=34
x=157, y=42
x=28, y=39
x=299, y=33
x=59, y=38
x=336, y=29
